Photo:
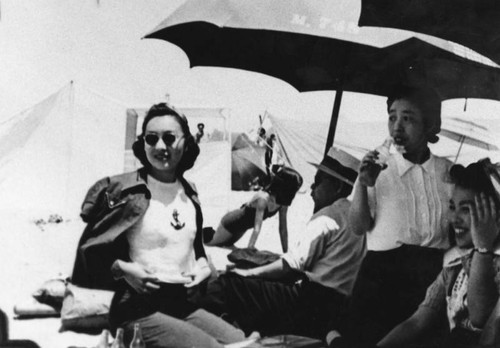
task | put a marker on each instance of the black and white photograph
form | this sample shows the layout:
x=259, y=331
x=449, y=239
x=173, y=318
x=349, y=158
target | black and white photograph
x=250, y=173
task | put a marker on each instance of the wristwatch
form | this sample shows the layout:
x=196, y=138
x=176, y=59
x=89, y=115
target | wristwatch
x=484, y=251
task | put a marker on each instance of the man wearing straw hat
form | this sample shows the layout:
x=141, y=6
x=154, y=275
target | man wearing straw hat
x=326, y=259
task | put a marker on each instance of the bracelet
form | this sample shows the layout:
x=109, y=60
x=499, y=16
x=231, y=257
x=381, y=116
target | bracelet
x=484, y=251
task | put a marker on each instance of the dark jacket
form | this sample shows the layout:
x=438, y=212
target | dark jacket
x=112, y=205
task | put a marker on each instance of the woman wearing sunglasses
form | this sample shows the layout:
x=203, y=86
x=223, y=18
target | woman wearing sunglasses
x=144, y=241
x=275, y=198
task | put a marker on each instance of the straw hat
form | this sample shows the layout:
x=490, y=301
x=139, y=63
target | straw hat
x=340, y=165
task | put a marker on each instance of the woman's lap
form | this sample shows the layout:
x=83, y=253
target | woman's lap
x=199, y=329
x=169, y=319
x=215, y=326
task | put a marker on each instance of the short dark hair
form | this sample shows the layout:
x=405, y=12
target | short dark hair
x=428, y=102
x=345, y=188
x=284, y=185
x=191, y=148
x=474, y=177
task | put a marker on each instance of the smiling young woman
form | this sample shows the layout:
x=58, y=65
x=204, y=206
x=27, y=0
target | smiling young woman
x=143, y=240
x=466, y=290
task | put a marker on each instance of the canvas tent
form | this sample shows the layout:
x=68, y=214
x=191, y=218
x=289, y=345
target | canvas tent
x=52, y=152
x=303, y=141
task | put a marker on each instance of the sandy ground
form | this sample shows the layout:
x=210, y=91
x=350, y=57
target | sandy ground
x=30, y=255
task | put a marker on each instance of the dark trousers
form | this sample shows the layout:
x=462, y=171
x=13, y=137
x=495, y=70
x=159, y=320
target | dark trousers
x=128, y=305
x=273, y=307
x=457, y=338
x=390, y=286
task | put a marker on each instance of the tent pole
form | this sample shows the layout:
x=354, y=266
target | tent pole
x=334, y=119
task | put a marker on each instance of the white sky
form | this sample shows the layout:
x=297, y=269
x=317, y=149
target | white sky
x=45, y=44
x=97, y=43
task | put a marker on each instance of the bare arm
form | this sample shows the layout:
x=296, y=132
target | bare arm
x=278, y=269
x=139, y=278
x=482, y=293
x=260, y=207
x=491, y=330
x=411, y=329
x=360, y=218
x=199, y=274
x=283, y=228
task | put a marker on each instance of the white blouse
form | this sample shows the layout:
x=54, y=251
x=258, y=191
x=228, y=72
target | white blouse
x=163, y=239
x=409, y=204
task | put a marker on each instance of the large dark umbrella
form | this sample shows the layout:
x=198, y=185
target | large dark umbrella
x=472, y=23
x=296, y=48
x=418, y=63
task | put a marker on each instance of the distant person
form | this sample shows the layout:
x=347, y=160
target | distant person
x=268, y=155
x=143, y=240
x=273, y=199
x=466, y=290
x=277, y=158
x=261, y=137
x=273, y=156
x=326, y=259
x=200, y=133
x=401, y=208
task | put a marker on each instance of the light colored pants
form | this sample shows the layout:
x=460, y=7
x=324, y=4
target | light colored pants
x=200, y=329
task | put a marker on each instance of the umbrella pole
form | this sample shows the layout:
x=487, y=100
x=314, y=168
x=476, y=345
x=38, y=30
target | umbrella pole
x=334, y=119
x=459, y=148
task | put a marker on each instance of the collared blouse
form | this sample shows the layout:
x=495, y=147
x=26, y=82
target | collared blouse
x=409, y=203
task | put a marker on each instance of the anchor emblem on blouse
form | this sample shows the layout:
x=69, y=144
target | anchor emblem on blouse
x=176, y=223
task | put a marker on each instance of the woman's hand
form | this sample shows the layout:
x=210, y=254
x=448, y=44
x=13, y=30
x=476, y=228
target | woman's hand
x=369, y=169
x=484, y=227
x=139, y=278
x=197, y=276
x=260, y=205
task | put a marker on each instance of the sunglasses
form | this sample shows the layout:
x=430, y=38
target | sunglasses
x=168, y=139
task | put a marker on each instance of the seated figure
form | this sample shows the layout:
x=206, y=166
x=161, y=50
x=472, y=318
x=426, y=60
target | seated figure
x=143, y=240
x=466, y=290
x=325, y=259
